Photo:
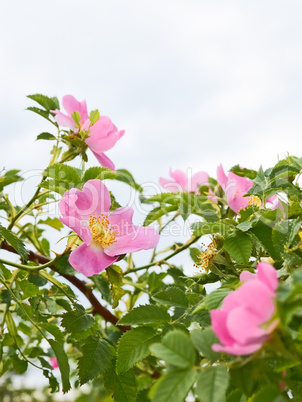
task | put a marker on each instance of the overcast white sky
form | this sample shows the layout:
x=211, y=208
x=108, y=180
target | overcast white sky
x=193, y=83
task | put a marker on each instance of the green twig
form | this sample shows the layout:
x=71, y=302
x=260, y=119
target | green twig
x=163, y=261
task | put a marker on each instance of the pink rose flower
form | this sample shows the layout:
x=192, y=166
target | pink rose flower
x=106, y=235
x=235, y=188
x=54, y=363
x=243, y=323
x=180, y=181
x=103, y=133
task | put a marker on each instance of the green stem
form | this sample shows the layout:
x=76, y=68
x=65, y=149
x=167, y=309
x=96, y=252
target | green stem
x=163, y=261
x=26, y=267
x=160, y=230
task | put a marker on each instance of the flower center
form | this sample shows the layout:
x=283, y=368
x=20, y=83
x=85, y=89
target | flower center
x=206, y=256
x=254, y=200
x=101, y=230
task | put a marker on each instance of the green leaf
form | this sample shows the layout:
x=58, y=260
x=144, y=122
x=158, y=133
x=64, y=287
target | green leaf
x=115, y=278
x=76, y=117
x=52, y=222
x=144, y=315
x=62, y=362
x=28, y=288
x=244, y=226
x=102, y=285
x=62, y=176
x=133, y=347
x=239, y=247
x=46, y=136
x=266, y=393
x=15, y=242
x=96, y=358
x=126, y=177
x=98, y=172
x=284, y=233
x=158, y=212
x=203, y=228
x=54, y=331
x=195, y=254
x=176, y=349
x=20, y=366
x=125, y=387
x=203, y=341
x=263, y=234
x=171, y=296
x=10, y=176
x=5, y=273
x=214, y=299
x=41, y=112
x=77, y=320
x=212, y=384
x=174, y=385
x=162, y=198
x=249, y=173
x=11, y=326
x=94, y=116
x=45, y=101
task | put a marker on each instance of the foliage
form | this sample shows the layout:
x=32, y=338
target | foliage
x=146, y=334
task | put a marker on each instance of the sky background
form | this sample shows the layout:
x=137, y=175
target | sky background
x=193, y=83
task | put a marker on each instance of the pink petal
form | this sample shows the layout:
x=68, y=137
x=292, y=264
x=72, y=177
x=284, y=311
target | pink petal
x=237, y=202
x=198, y=179
x=98, y=195
x=54, y=363
x=219, y=320
x=137, y=238
x=255, y=296
x=121, y=218
x=103, y=135
x=63, y=120
x=179, y=177
x=247, y=276
x=94, y=199
x=267, y=274
x=90, y=260
x=71, y=105
x=67, y=205
x=221, y=177
x=86, y=125
x=243, y=184
x=243, y=325
x=169, y=185
x=78, y=226
x=236, y=349
x=104, y=160
x=231, y=301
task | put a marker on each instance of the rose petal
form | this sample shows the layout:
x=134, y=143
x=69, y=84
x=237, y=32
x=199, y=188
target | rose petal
x=236, y=349
x=179, y=177
x=219, y=320
x=267, y=274
x=138, y=238
x=71, y=105
x=243, y=325
x=90, y=260
x=104, y=160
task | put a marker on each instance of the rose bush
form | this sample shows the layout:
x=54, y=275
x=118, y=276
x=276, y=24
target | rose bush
x=110, y=304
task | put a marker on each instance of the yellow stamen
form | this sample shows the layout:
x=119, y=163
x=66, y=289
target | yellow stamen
x=205, y=257
x=254, y=200
x=101, y=231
